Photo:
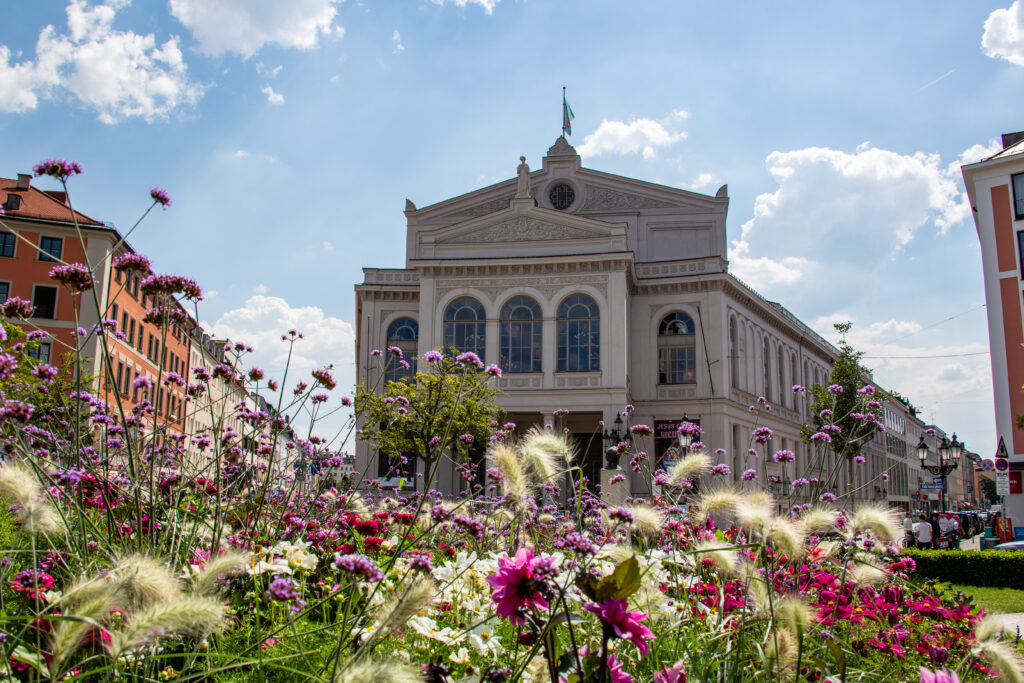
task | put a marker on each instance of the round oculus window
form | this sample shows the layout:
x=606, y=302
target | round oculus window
x=561, y=196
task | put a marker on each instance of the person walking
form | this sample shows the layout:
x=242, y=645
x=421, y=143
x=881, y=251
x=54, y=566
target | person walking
x=923, y=533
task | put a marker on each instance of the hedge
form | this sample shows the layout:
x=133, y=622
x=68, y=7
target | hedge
x=995, y=568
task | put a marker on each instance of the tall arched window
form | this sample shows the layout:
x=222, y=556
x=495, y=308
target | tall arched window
x=579, y=335
x=465, y=325
x=677, y=350
x=403, y=333
x=766, y=356
x=520, y=335
x=780, y=361
x=734, y=354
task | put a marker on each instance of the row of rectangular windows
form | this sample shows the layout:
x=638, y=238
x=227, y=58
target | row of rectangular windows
x=49, y=247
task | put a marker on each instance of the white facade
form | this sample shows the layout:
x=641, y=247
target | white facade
x=641, y=253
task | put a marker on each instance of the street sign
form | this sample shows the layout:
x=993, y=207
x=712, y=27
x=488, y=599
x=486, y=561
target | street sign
x=1002, y=483
x=917, y=495
x=987, y=465
x=1002, y=464
x=939, y=487
x=936, y=480
x=1001, y=449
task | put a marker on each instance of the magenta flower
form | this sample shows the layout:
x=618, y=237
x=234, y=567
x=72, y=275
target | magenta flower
x=61, y=169
x=671, y=674
x=516, y=585
x=432, y=356
x=493, y=370
x=623, y=623
x=749, y=475
x=75, y=277
x=160, y=196
x=468, y=358
x=641, y=430
x=721, y=469
x=940, y=676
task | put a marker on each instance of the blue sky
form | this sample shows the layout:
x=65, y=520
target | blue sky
x=289, y=135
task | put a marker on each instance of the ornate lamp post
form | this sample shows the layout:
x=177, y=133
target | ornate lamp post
x=949, y=460
x=612, y=439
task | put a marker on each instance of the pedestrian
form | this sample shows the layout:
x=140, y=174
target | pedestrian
x=908, y=531
x=923, y=533
x=936, y=530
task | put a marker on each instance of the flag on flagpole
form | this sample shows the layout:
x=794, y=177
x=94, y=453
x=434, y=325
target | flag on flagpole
x=567, y=116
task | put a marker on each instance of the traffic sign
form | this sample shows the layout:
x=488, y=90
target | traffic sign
x=936, y=480
x=938, y=486
x=1002, y=465
x=1001, y=449
x=1002, y=483
x=987, y=465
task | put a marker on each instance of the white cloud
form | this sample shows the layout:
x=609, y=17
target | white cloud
x=272, y=97
x=240, y=154
x=117, y=74
x=326, y=246
x=488, y=5
x=268, y=73
x=837, y=213
x=643, y=136
x=1004, y=34
x=396, y=40
x=326, y=341
x=260, y=289
x=704, y=181
x=245, y=26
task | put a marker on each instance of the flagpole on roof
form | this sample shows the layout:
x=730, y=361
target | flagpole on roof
x=567, y=115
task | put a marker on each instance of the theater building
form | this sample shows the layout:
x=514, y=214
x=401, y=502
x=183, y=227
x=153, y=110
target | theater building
x=592, y=292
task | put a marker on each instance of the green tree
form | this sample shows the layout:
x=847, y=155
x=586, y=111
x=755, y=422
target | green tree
x=448, y=409
x=988, y=489
x=856, y=414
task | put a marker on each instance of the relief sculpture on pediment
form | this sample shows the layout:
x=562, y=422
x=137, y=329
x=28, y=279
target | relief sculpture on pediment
x=520, y=229
x=605, y=198
x=482, y=209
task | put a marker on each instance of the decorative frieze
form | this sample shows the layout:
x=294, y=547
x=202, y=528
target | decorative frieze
x=578, y=379
x=604, y=198
x=481, y=209
x=521, y=229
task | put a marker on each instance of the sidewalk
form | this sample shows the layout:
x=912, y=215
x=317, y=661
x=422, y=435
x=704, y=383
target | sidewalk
x=1013, y=622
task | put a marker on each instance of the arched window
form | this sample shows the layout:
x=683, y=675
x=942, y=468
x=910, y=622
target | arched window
x=780, y=361
x=403, y=333
x=734, y=354
x=579, y=335
x=677, y=350
x=520, y=335
x=465, y=325
x=766, y=356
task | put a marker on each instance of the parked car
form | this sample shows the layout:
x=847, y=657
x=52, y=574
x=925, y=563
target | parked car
x=1012, y=545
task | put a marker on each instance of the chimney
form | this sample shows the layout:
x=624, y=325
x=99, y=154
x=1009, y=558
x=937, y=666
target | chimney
x=24, y=181
x=1011, y=139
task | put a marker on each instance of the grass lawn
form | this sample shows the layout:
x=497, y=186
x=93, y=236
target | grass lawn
x=997, y=600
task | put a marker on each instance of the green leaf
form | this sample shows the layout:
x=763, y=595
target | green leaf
x=34, y=660
x=626, y=578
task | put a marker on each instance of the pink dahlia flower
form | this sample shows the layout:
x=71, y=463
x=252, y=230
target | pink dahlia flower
x=516, y=585
x=624, y=624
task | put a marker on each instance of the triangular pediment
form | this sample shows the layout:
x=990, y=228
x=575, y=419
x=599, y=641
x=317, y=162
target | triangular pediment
x=523, y=226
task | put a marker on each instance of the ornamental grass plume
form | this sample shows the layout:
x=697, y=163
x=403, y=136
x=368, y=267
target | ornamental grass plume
x=878, y=519
x=85, y=603
x=18, y=484
x=989, y=628
x=781, y=648
x=186, y=616
x=207, y=581
x=647, y=520
x=719, y=553
x=867, y=572
x=785, y=536
x=404, y=604
x=818, y=519
x=722, y=500
x=377, y=672
x=794, y=614
x=755, y=510
x=689, y=467
x=546, y=453
x=144, y=581
x=506, y=458
x=1003, y=659
x=38, y=517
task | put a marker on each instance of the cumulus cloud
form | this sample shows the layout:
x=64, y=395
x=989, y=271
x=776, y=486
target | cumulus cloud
x=272, y=97
x=1004, y=34
x=488, y=5
x=326, y=246
x=396, y=41
x=704, y=181
x=117, y=74
x=837, y=214
x=643, y=136
x=326, y=341
x=245, y=26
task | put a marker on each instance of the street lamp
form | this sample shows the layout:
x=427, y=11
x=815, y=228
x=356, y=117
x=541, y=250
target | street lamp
x=949, y=460
x=617, y=434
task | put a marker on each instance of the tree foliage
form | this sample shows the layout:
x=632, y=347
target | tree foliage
x=446, y=408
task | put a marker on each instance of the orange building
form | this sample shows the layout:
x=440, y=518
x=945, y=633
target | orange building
x=995, y=187
x=37, y=231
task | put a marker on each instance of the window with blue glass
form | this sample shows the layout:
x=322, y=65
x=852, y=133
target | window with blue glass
x=50, y=248
x=402, y=334
x=677, y=350
x=579, y=335
x=41, y=352
x=7, y=240
x=521, y=324
x=465, y=325
x=5, y=291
